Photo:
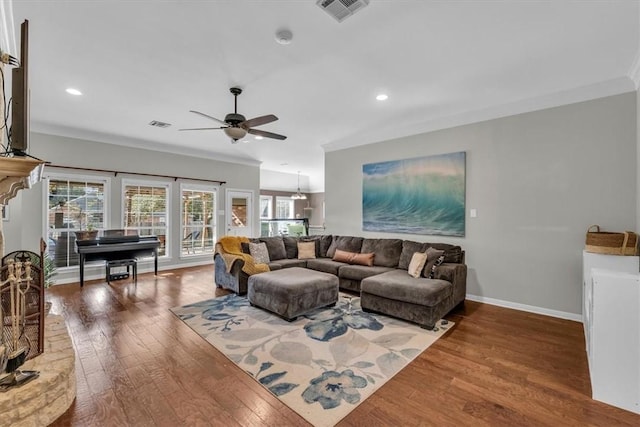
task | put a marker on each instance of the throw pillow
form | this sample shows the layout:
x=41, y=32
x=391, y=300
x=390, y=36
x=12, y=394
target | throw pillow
x=434, y=268
x=345, y=243
x=342, y=256
x=354, y=257
x=306, y=250
x=363, y=259
x=432, y=258
x=417, y=264
x=314, y=241
x=259, y=252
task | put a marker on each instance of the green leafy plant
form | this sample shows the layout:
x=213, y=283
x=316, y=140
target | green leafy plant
x=50, y=270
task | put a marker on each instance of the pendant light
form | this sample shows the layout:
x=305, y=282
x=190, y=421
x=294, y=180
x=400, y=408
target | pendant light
x=299, y=195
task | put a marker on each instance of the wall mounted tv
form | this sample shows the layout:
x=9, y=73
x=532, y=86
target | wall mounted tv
x=20, y=97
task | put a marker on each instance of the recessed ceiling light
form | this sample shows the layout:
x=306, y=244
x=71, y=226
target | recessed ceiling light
x=72, y=91
x=246, y=141
x=259, y=137
x=382, y=97
x=284, y=36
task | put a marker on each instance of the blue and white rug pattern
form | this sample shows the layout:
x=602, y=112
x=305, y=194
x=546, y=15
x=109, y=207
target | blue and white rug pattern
x=321, y=365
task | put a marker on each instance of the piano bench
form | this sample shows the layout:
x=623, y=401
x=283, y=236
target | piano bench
x=122, y=263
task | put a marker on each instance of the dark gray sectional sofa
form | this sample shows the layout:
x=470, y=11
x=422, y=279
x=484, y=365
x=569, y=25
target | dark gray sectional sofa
x=384, y=287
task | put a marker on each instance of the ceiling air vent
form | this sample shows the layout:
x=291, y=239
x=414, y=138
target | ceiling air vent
x=341, y=9
x=158, y=124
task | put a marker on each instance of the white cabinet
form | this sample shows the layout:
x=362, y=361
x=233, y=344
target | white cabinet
x=611, y=319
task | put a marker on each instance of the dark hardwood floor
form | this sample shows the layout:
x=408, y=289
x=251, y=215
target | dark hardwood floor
x=138, y=365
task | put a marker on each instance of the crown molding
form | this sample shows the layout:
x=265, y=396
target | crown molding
x=634, y=71
x=63, y=131
x=603, y=89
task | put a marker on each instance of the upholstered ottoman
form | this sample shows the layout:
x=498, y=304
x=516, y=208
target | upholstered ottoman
x=293, y=291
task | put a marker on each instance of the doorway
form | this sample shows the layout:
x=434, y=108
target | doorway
x=239, y=213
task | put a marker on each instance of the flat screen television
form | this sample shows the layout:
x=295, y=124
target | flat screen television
x=20, y=97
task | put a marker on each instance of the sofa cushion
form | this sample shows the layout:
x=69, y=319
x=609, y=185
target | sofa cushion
x=344, y=243
x=291, y=246
x=418, y=260
x=387, y=251
x=288, y=263
x=453, y=273
x=354, y=258
x=245, y=248
x=325, y=265
x=275, y=246
x=306, y=250
x=359, y=272
x=435, y=257
x=408, y=249
x=259, y=253
x=325, y=242
x=398, y=285
x=452, y=253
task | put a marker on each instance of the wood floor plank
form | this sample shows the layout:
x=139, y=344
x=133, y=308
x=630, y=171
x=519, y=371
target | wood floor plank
x=139, y=365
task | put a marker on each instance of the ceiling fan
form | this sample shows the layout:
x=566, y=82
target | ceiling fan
x=236, y=126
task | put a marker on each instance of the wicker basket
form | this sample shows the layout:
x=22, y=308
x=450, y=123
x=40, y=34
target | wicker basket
x=603, y=242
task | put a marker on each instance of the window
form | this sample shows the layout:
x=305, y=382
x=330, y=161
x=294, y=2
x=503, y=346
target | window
x=73, y=204
x=145, y=210
x=266, y=207
x=284, y=207
x=198, y=219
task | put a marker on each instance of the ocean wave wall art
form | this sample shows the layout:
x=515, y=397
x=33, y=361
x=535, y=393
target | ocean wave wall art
x=423, y=195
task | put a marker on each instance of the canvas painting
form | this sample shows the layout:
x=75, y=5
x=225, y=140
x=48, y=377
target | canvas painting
x=423, y=195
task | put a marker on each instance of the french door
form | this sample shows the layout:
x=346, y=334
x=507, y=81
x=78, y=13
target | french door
x=239, y=213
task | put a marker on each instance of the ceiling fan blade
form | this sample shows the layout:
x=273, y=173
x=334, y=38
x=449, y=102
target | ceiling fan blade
x=266, y=134
x=204, y=128
x=208, y=117
x=257, y=121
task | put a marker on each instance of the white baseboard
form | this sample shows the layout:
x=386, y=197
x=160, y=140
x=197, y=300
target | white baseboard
x=525, y=307
x=143, y=267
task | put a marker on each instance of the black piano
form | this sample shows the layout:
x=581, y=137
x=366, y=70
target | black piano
x=115, y=248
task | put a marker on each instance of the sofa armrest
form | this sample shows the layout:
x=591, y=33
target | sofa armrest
x=236, y=263
x=235, y=279
x=456, y=274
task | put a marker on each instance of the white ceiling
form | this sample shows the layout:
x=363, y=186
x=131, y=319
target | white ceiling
x=441, y=63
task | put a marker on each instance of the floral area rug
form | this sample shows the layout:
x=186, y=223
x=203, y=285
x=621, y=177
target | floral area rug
x=321, y=365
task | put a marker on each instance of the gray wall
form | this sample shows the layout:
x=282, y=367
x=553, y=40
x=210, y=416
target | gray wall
x=26, y=223
x=537, y=180
x=638, y=161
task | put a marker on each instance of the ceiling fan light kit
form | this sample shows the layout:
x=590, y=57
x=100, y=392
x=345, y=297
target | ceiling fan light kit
x=235, y=133
x=236, y=126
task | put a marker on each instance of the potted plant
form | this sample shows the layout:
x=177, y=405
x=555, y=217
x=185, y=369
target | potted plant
x=49, y=272
x=89, y=234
